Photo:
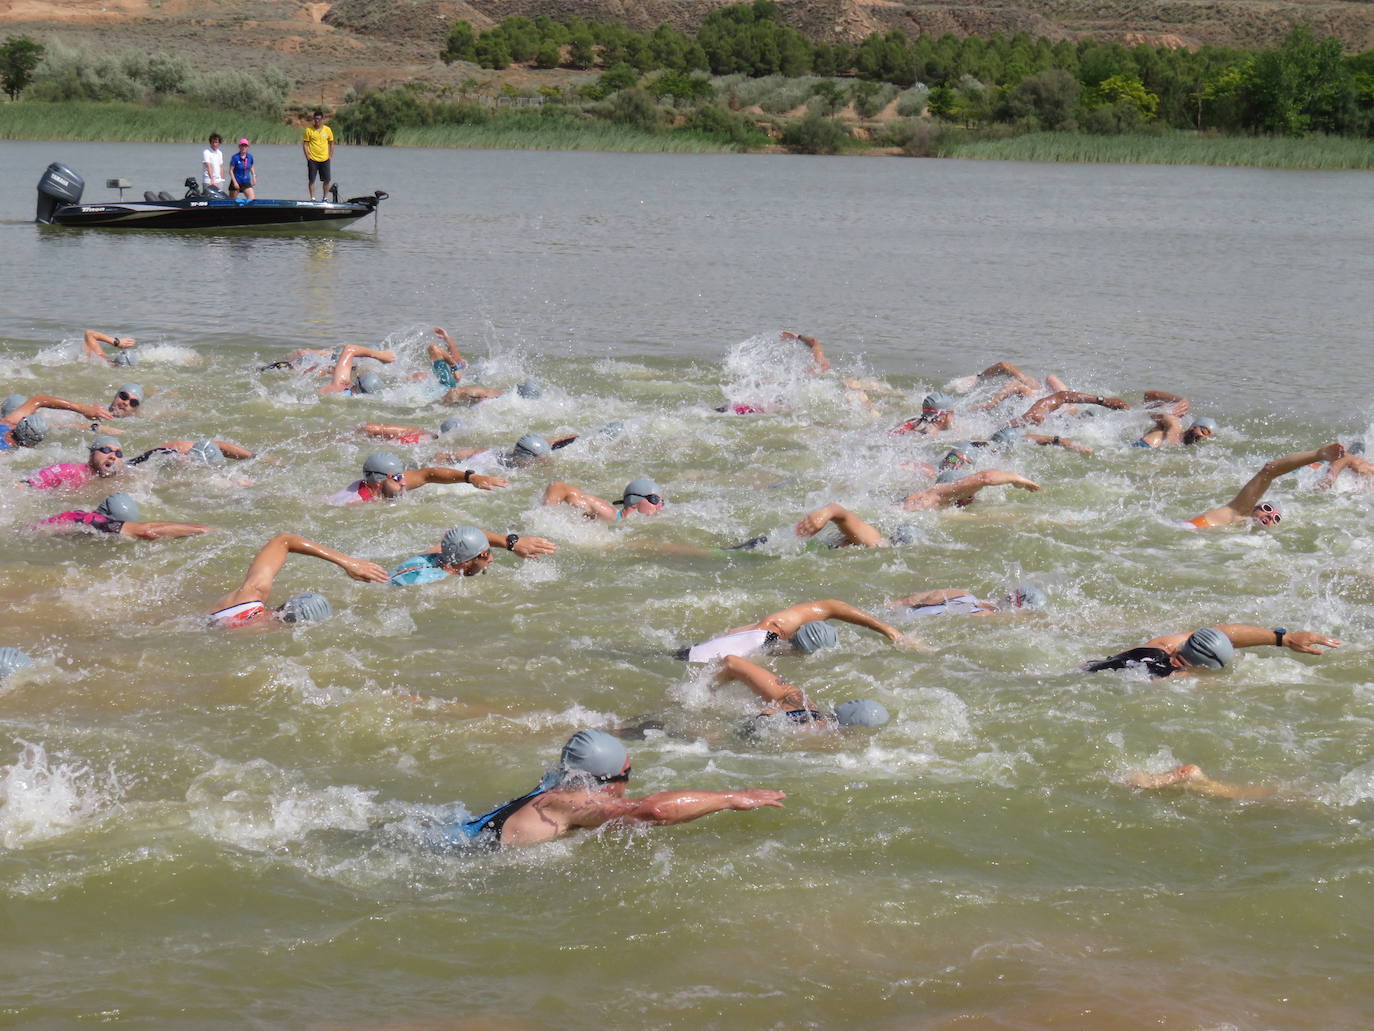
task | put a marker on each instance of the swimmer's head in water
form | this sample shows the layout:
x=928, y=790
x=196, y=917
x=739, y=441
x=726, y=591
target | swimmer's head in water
x=369, y=383
x=1007, y=436
x=383, y=465
x=461, y=545
x=861, y=712
x=531, y=445
x=813, y=636
x=450, y=424
x=1207, y=647
x=12, y=660
x=1355, y=447
x=1202, y=428
x=306, y=607
x=125, y=358
x=11, y=403
x=119, y=506
x=1026, y=596
x=530, y=390
x=642, y=491
x=597, y=754
x=936, y=403
x=1267, y=513
x=106, y=455
x=958, y=457
x=127, y=400
x=904, y=534
x=30, y=430
x=206, y=451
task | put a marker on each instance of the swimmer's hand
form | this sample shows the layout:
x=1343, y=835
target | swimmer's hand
x=94, y=411
x=124, y=343
x=756, y=798
x=1023, y=483
x=1330, y=452
x=909, y=644
x=1307, y=642
x=367, y=572
x=1114, y=403
x=533, y=547
x=486, y=482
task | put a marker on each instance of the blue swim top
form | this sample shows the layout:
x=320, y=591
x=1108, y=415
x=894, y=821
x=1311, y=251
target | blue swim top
x=421, y=569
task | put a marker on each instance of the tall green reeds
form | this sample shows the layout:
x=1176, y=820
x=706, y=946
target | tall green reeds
x=121, y=122
x=1175, y=148
x=588, y=135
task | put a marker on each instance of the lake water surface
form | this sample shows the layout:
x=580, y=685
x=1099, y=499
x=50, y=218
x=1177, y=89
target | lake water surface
x=206, y=829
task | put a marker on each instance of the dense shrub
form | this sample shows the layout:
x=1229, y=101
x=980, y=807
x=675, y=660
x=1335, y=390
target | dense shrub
x=816, y=134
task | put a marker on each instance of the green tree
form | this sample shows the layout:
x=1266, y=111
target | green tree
x=1301, y=86
x=461, y=44
x=19, y=56
x=582, y=49
x=1119, y=89
x=1050, y=97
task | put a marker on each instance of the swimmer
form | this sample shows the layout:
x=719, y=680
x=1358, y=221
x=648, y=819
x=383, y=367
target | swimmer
x=118, y=514
x=792, y=703
x=956, y=601
x=801, y=628
x=819, y=362
x=1248, y=502
x=24, y=410
x=466, y=551
x=953, y=489
x=90, y=346
x=642, y=495
x=341, y=380
x=1351, y=463
x=528, y=449
x=1168, y=430
x=1042, y=409
x=446, y=361
x=127, y=401
x=212, y=452
x=587, y=789
x=408, y=434
x=106, y=459
x=1191, y=778
x=386, y=477
x=1211, y=647
x=854, y=531
x=460, y=395
x=1009, y=436
x=937, y=416
x=247, y=606
x=1021, y=385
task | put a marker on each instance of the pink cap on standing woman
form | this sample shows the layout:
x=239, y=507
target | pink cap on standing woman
x=244, y=143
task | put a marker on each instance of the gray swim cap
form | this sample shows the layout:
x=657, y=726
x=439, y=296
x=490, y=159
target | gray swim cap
x=380, y=465
x=1355, y=447
x=105, y=440
x=939, y=401
x=132, y=389
x=306, y=607
x=862, y=712
x=531, y=445
x=958, y=455
x=949, y=476
x=205, y=451
x=1027, y=596
x=813, y=636
x=1202, y=422
x=640, y=489
x=369, y=383
x=612, y=429
x=1005, y=437
x=119, y=506
x=1207, y=647
x=12, y=660
x=30, y=430
x=904, y=534
x=462, y=544
x=594, y=752
x=530, y=389
x=11, y=403
x=450, y=424
x=125, y=358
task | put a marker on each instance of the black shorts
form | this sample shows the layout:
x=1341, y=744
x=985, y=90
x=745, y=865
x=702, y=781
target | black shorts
x=320, y=168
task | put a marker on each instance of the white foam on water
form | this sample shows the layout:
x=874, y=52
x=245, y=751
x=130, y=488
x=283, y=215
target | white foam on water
x=43, y=798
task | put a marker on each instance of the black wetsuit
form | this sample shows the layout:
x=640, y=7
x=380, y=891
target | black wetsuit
x=1156, y=660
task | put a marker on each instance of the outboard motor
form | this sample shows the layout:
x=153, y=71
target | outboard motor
x=59, y=186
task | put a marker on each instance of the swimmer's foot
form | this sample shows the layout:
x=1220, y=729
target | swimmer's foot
x=1178, y=775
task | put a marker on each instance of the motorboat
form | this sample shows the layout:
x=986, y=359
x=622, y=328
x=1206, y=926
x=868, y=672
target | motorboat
x=59, y=203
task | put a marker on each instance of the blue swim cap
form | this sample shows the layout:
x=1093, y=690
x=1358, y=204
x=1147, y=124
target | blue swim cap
x=450, y=424
x=30, y=430
x=637, y=490
x=530, y=389
x=462, y=544
x=205, y=451
x=594, y=752
x=904, y=534
x=125, y=358
x=11, y=403
x=813, y=636
x=1207, y=647
x=119, y=506
x=862, y=712
x=381, y=464
x=306, y=607
x=369, y=383
x=12, y=660
x=531, y=445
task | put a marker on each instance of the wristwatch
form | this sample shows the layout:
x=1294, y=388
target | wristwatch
x=511, y=540
x=1279, y=631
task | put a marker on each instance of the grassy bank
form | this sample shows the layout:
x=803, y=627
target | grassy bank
x=583, y=136
x=134, y=123
x=1177, y=148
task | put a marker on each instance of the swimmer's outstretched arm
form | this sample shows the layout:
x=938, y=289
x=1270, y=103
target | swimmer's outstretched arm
x=525, y=547
x=449, y=352
x=226, y=448
x=665, y=808
x=855, y=530
x=162, y=531
x=343, y=369
x=1249, y=496
x=1243, y=635
x=263, y=570
x=1008, y=369
x=768, y=686
x=591, y=506
x=386, y=431
x=1354, y=463
x=60, y=404
x=830, y=608
x=91, y=341
x=469, y=395
x=814, y=345
x=436, y=474
x=1046, y=440
x=1177, y=406
x=1191, y=778
x=936, y=597
x=962, y=491
x=1038, y=412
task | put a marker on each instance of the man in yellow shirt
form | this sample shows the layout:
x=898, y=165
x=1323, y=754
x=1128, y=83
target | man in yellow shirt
x=318, y=145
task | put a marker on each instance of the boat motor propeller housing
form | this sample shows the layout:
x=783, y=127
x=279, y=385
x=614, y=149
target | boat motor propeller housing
x=59, y=186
